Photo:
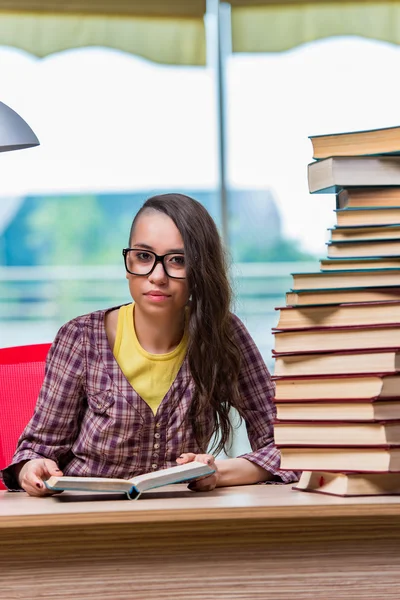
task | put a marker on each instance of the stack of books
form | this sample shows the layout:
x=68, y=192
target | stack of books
x=337, y=341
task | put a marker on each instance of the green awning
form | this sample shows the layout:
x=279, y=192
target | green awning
x=169, y=32
x=271, y=26
x=172, y=31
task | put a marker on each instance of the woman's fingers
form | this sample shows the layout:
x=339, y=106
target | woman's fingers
x=186, y=457
x=35, y=472
x=207, y=459
x=205, y=484
x=202, y=484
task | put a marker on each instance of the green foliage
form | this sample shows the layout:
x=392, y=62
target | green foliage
x=281, y=250
x=68, y=231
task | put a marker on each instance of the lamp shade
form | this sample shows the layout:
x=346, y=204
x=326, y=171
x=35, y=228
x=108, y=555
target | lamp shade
x=15, y=133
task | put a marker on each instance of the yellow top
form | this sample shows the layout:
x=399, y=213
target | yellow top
x=151, y=375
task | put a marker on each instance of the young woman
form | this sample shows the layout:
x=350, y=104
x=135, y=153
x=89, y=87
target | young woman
x=150, y=384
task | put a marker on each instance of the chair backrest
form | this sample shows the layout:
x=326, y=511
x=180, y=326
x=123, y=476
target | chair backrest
x=21, y=377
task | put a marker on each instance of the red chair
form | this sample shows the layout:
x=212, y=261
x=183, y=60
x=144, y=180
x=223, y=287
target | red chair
x=21, y=376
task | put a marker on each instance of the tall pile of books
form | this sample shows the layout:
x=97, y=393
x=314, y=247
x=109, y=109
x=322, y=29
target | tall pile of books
x=337, y=341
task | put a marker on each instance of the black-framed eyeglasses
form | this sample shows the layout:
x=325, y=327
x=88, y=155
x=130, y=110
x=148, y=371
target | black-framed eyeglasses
x=143, y=262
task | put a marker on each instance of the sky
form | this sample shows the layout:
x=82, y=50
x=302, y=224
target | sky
x=110, y=121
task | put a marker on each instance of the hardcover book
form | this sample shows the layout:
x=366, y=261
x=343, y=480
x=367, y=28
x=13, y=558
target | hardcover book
x=346, y=278
x=335, y=315
x=386, y=248
x=368, y=197
x=362, y=233
x=338, y=338
x=340, y=433
x=338, y=410
x=131, y=487
x=349, y=484
x=331, y=175
x=367, y=262
x=357, y=143
x=337, y=363
x=342, y=296
x=387, y=215
x=365, y=387
x=366, y=459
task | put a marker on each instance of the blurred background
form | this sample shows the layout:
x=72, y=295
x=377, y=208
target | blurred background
x=212, y=99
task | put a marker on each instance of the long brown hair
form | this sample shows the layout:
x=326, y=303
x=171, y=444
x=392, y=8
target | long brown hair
x=214, y=357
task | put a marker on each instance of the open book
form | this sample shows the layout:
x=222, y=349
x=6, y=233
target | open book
x=132, y=487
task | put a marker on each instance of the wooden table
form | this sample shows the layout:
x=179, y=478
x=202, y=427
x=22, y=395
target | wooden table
x=249, y=542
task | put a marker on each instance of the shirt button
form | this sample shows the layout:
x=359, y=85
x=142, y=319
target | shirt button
x=157, y=435
x=154, y=466
x=158, y=425
x=156, y=446
x=155, y=454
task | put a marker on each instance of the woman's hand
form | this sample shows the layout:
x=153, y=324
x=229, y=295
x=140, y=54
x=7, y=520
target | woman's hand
x=34, y=472
x=203, y=484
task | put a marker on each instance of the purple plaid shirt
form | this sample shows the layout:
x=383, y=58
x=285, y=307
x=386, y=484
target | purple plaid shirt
x=90, y=420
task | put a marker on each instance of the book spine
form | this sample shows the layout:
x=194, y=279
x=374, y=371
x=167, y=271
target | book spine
x=133, y=493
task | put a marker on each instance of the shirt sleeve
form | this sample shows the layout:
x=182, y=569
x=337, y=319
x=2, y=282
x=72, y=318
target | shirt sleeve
x=257, y=391
x=55, y=422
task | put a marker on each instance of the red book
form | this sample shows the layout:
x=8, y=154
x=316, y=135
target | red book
x=343, y=338
x=337, y=387
x=338, y=363
x=336, y=434
x=376, y=459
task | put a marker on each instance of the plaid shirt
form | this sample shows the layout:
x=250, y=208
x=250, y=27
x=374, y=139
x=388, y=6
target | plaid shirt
x=90, y=420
